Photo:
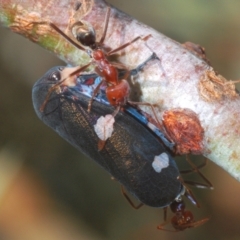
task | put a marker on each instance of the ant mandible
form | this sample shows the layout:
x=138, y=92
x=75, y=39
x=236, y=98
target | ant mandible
x=83, y=36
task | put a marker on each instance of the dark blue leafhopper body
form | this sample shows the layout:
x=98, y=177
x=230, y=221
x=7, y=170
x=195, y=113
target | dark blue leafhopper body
x=133, y=155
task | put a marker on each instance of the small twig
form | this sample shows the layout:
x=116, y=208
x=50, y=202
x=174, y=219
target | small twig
x=180, y=78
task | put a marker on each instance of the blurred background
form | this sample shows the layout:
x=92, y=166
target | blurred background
x=48, y=190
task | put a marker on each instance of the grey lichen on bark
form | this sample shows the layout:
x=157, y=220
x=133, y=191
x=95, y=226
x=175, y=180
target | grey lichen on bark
x=180, y=79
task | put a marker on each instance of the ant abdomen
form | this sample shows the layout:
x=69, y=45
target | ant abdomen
x=84, y=34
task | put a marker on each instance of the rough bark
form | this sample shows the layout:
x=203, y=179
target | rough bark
x=181, y=79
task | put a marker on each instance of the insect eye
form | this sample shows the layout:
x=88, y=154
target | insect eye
x=55, y=75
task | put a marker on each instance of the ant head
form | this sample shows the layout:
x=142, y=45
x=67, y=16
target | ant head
x=182, y=219
x=85, y=34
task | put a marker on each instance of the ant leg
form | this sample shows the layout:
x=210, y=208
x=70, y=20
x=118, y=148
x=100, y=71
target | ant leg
x=198, y=185
x=165, y=213
x=106, y=21
x=166, y=222
x=182, y=226
x=101, y=144
x=121, y=66
x=129, y=200
x=53, y=26
x=188, y=193
x=60, y=83
x=141, y=66
x=197, y=223
x=181, y=221
x=195, y=169
x=128, y=43
x=116, y=111
x=126, y=75
x=161, y=227
x=133, y=72
x=96, y=90
x=159, y=125
x=188, y=171
x=192, y=224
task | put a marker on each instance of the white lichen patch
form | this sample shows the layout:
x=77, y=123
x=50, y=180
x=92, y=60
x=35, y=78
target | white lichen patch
x=160, y=162
x=104, y=127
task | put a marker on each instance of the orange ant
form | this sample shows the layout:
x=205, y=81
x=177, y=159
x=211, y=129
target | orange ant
x=182, y=219
x=83, y=36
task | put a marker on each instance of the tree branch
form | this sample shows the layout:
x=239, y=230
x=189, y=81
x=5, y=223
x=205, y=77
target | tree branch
x=181, y=79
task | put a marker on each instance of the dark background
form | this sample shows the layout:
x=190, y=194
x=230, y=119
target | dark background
x=48, y=190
